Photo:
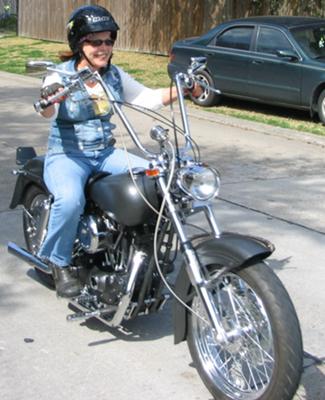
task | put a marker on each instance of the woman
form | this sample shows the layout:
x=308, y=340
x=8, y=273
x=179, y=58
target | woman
x=81, y=140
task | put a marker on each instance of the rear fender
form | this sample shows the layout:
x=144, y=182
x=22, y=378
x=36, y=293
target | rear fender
x=30, y=174
x=232, y=251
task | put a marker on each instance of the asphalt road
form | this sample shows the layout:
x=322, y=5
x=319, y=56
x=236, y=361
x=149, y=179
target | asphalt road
x=273, y=186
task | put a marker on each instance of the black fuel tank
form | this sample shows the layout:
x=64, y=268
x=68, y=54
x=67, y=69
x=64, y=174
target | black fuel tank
x=119, y=195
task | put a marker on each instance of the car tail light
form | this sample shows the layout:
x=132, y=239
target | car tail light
x=171, y=56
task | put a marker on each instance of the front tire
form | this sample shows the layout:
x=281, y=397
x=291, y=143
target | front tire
x=35, y=203
x=263, y=357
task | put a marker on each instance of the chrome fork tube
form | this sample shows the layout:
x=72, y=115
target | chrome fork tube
x=182, y=105
x=212, y=221
x=194, y=268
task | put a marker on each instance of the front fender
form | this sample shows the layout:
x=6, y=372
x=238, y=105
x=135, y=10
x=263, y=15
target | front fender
x=230, y=250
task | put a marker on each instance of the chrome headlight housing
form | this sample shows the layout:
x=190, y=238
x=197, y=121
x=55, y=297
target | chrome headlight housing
x=198, y=181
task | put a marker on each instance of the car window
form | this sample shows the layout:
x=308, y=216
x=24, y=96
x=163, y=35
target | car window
x=236, y=38
x=311, y=40
x=271, y=40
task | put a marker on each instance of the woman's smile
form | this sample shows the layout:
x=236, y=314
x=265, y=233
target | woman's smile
x=97, y=55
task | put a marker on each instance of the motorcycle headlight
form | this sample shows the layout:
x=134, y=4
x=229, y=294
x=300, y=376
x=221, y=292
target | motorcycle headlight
x=200, y=182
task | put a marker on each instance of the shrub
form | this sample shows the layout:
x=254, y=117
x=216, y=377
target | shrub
x=8, y=23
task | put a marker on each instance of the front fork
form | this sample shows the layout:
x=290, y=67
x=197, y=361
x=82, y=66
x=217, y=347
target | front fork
x=194, y=269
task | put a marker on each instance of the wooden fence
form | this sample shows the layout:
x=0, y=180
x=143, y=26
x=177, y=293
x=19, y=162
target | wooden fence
x=153, y=25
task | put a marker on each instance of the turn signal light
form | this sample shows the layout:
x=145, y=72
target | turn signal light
x=152, y=172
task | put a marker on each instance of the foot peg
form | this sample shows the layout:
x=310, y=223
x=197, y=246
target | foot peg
x=83, y=315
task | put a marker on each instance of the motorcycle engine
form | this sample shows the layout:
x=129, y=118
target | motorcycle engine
x=109, y=286
x=95, y=233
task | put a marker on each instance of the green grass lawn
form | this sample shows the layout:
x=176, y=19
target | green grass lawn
x=152, y=71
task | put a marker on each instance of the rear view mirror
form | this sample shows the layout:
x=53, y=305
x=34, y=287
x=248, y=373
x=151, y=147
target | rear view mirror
x=39, y=64
x=33, y=66
x=290, y=55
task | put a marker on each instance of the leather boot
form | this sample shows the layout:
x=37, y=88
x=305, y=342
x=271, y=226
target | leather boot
x=66, y=285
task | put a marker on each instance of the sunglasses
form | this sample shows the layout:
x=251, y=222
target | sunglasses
x=99, y=42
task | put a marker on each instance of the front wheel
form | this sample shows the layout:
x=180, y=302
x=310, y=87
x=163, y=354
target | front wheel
x=262, y=359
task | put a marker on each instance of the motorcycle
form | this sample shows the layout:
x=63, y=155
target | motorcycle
x=238, y=319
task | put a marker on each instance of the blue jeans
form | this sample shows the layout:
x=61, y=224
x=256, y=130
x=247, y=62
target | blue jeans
x=66, y=176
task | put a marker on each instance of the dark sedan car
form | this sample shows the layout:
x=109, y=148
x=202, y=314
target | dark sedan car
x=276, y=60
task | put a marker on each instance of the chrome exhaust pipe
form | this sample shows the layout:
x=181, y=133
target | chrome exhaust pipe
x=136, y=264
x=25, y=255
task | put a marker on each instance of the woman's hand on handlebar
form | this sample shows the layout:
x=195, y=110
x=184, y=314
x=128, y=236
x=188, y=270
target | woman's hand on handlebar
x=195, y=91
x=49, y=98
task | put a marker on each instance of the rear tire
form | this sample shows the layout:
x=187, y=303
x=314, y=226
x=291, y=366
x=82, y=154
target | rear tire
x=207, y=98
x=34, y=213
x=263, y=361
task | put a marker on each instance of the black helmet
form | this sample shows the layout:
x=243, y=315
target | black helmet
x=88, y=19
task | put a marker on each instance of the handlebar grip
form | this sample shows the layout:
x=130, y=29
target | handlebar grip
x=42, y=104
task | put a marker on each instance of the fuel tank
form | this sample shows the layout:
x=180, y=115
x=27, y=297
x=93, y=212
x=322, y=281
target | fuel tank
x=118, y=195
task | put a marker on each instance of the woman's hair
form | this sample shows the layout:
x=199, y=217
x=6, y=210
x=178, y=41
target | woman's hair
x=69, y=55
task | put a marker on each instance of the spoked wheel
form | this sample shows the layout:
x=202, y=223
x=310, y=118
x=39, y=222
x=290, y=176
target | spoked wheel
x=262, y=358
x=35, y=209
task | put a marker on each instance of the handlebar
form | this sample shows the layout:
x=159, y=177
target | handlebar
x=76, y=81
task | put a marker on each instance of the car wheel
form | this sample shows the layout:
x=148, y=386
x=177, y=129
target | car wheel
x=207, y=98
x=321, y=106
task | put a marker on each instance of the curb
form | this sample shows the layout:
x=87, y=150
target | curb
x=259, y=127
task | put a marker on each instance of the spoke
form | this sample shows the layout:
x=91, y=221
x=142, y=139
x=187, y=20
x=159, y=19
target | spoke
x=252, y=375
x=259, y=347
x=247, y=313
x=240, y=372
x=262, y=377
x=226, y=363
x=29, y=214
x=232, y=302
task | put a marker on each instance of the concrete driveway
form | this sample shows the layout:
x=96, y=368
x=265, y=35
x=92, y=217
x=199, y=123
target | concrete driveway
x=273, y=186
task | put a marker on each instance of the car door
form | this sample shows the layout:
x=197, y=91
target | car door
x=228, y=59
x=274, y=77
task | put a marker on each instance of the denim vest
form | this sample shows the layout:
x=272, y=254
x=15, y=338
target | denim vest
x=77, y=128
